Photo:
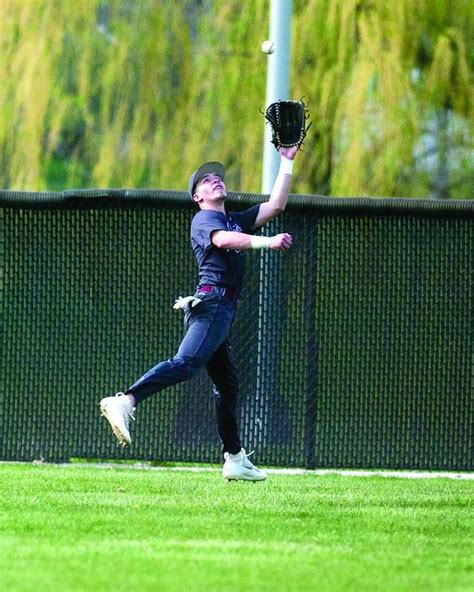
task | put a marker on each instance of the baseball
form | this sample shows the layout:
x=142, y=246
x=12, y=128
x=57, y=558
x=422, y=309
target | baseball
x=268, y=46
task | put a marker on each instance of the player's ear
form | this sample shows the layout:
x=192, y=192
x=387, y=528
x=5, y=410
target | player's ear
x=197, y=198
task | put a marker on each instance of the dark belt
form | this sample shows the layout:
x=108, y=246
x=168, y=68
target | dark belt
x=227, y=293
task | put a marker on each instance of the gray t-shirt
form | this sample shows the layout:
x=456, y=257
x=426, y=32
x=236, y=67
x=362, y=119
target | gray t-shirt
x=220, y=267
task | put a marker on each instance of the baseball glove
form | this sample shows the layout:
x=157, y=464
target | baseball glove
x=288, y=122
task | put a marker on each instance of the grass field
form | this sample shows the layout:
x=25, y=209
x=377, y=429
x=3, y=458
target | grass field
x=70, y=528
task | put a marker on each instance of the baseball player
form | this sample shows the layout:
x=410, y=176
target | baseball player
x=219, y=240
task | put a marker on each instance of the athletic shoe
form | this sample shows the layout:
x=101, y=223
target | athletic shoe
x=117, y=411
x=237, y=467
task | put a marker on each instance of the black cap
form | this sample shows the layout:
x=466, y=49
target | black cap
x=215, y=168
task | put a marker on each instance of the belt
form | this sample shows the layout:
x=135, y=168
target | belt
x=227, y=293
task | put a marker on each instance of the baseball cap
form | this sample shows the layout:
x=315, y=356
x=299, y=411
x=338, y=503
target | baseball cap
x=215, y=168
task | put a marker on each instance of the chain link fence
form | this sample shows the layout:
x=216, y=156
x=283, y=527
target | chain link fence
x=355, y=348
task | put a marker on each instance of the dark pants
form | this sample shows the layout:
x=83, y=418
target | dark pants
x=206, y=344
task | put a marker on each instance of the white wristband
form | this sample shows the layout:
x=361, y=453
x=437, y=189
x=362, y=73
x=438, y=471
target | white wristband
x=260, y=242
x=286, y=166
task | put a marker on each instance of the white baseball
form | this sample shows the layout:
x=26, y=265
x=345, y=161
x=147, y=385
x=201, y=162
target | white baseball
x=268, y=46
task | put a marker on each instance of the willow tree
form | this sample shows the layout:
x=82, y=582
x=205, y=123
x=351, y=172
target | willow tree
x=137, y=93
x=91, y=91
x=378, y=74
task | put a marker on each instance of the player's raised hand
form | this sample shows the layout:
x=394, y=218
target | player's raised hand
x=289, y=153
x=281, y=242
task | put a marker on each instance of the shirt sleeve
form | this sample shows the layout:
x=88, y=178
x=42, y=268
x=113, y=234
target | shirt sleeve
x=204, y=224
x=247, y=218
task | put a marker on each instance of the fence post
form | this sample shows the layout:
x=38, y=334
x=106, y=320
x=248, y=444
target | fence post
x=312, y=368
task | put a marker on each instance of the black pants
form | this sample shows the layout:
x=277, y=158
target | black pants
x=206, y=344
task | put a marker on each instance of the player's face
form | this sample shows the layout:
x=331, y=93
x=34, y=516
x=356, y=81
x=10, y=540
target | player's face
x=211, y=188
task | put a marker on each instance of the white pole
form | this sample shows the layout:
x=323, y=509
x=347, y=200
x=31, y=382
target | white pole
x=277, y=82
x=277, y=89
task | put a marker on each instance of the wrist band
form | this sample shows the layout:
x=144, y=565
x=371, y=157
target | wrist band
x=286, y=166
x=260, y=242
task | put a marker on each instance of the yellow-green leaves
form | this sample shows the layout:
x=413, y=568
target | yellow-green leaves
x=137, y=94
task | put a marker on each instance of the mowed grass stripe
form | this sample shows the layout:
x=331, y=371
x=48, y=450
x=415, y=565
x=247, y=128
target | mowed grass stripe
x=129, y=529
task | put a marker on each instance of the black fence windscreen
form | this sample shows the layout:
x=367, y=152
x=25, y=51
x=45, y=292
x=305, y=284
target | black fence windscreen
x=355, y=348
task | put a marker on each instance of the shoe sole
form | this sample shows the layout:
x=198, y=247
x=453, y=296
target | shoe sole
x=122, y=440
x=228, y=479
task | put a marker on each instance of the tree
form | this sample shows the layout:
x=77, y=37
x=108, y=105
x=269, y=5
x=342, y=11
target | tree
x=125, y=93
x=391, y=84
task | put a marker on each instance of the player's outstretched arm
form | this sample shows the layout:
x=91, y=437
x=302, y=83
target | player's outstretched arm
x=239, y=241
x=279, y=195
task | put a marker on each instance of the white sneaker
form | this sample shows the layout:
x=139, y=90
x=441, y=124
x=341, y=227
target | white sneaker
x=238, y=467
x=118, y=410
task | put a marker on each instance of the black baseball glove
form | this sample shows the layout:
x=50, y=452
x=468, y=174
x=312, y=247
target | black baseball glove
x=288, y=121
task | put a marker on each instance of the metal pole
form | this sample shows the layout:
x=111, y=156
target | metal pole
x=277, y=81
x=268, y=330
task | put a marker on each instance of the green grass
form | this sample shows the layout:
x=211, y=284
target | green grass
x=123, y=529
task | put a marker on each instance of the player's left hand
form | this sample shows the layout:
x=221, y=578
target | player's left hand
x=289, y=153
x=184, y=301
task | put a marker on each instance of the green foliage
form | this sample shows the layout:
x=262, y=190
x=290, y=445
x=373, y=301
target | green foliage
x=81, y=528
x=137, y=94
x=376, y=72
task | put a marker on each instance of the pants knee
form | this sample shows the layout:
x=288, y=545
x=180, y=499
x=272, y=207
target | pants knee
x=229, y=394
x=188, y=367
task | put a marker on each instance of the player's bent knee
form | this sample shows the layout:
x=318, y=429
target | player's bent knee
x=188, y=366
